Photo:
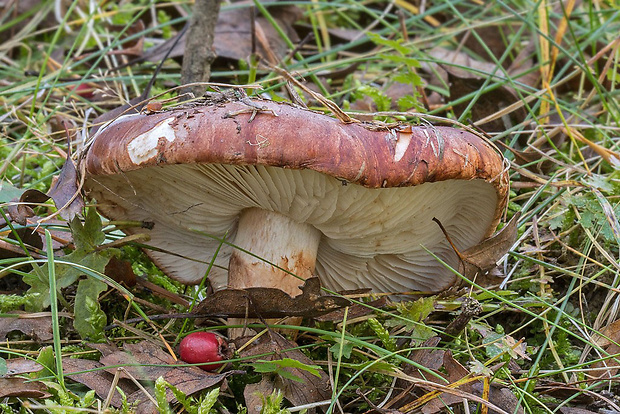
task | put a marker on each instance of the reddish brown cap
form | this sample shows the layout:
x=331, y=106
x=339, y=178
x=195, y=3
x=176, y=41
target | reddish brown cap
x=370, y=190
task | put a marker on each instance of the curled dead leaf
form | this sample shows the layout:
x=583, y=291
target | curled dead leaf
x=260, y=302
x=356, y=310
x=22, y=209
x=65, y=191
x=22, y=388
x=477, y=261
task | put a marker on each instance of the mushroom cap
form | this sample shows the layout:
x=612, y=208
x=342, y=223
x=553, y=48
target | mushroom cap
x=370, y=190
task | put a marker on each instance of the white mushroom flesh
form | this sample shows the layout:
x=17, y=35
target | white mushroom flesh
x=282, y=250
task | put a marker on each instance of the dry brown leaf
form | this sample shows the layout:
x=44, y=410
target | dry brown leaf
x=35, y=237
x=37, y=328
x=191, y=380
x=356, y=310
x=609, y=334
x=478, y=260
x=531, y=159
x=442, y=57
x=263, y=302
x=427, y=356
x=562, y=391
x=146, y=361
x=432, y=401
x=575, y=410
x=121, y=271
x=144, y=404
x=188, y=381
x=29, y=237
x=91, y=374
x=273, y=347
x=450, y=66
x=138, y=361
x=253, y=394
x=133, y=47
x=16, y=366
x=104, y=348
x=233, y=35
x=501, y=397
x=22, y=388
x=455, y=372
x=338, y=36
x=22, y=208
x=125, y=109
x=65, y=191
x=490, y=44
x=521, y=67
x=492, y=102
x=608, y=339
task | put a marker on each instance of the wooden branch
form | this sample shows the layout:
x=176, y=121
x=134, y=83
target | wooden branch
x=199, y=50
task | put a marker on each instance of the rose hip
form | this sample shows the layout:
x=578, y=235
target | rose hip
x=201, y=347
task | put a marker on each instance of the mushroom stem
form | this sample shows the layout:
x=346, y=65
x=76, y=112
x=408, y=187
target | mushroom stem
x=273, y=238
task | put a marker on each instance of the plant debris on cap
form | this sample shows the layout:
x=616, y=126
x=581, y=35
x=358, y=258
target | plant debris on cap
x=352, y=203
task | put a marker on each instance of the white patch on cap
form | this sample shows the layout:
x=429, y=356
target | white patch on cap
x=402, y=143
x=144, y=147
x=360, y=172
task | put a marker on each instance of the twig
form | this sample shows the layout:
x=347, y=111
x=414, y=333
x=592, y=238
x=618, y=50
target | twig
x=469, y=308
x=199, y=53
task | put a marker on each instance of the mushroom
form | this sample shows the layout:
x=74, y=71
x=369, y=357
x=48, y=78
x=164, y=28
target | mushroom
x=296, y=193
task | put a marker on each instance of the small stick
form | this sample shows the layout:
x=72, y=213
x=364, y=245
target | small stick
x=199, y=53
x=469, y=308
x=447, y=236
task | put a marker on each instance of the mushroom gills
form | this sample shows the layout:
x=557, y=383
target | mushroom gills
x=373, y=238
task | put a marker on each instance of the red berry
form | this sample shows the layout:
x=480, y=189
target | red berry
x=84, y=90
x=200, y=347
